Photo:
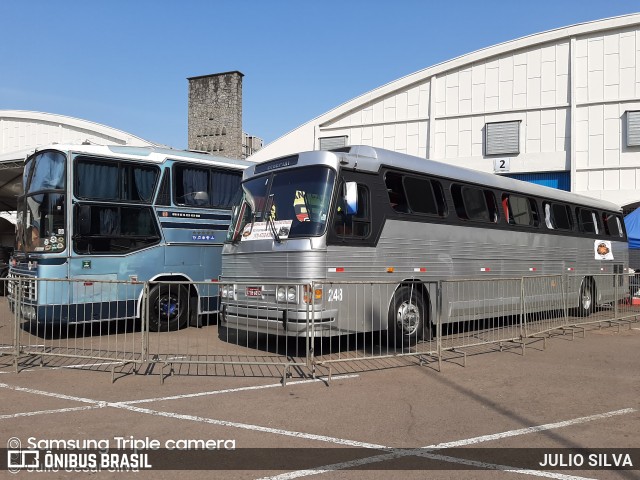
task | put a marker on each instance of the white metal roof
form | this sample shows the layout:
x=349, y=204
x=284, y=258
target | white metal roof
x=272, y=150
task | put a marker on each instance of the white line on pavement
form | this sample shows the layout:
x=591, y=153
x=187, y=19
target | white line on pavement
x=352, y=443
x=46, y=412
x=233, y=390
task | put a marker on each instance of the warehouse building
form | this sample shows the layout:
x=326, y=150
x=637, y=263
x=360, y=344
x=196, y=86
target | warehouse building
x=559, y=108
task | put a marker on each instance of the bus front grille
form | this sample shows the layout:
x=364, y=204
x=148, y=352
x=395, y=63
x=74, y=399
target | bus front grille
x=22, y=285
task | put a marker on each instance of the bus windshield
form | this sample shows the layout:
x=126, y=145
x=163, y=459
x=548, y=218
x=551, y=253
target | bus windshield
x=41, y=217
x=296, y=201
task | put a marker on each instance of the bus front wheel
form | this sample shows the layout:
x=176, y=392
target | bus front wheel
x=168, y=307
x=407, y=317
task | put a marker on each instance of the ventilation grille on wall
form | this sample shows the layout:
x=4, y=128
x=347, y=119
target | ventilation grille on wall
x=502, y=138
x=633, y=128
x=329, y=143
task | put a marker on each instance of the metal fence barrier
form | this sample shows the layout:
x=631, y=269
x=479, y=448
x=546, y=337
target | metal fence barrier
x=362, y=321
x=7, y=324
x=294, y=327
x=75, y=321
x=233, y=345
x=479, y=312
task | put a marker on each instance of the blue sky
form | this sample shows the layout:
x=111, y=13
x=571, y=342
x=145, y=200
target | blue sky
x=124, y=63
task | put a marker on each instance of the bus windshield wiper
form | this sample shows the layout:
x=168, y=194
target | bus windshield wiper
x=239, y=225
x=307, y=205
x=270, y=222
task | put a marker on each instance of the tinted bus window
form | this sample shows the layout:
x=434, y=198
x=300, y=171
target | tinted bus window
x=117, y=229
x=520, y=210
x=395, y=190
x=557, y=216
x=474, y=203
x=612, y=225
x=425, y=196
x=588, y=220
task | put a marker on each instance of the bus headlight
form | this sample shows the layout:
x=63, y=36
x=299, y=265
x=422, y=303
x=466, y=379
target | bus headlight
x=228, y=291
x=291, y=294
x=281, y=294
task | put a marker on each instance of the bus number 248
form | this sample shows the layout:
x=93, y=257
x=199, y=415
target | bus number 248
x=334, y=295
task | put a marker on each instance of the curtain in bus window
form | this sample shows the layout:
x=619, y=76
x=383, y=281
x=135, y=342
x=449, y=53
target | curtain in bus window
x=145, y=225
x=194, y=186
x=145, y=179
x=97, y=181
x=108, y=221
x=27, y=172
x=49, y=172
x=224, y=186
x=547, y=216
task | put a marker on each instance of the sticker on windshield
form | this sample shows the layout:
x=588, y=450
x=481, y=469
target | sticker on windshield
x=265, y=230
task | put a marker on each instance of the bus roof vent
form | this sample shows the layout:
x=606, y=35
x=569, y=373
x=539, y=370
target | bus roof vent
x=128, y=150
x=358, y=151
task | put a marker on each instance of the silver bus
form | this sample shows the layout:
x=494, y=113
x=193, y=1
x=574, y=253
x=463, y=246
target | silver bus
x=364, y=214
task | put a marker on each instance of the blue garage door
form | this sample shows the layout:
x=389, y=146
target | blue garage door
x=559, y=180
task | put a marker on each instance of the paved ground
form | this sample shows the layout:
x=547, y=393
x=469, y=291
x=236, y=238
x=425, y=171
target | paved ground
x=576, y=393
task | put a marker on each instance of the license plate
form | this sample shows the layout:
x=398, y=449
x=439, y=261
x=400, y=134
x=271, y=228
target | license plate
x=253, y=291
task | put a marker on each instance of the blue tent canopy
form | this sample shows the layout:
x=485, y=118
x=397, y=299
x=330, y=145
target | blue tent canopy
x=632, y=224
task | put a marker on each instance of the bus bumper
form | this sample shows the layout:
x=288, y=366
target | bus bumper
x=278, y=321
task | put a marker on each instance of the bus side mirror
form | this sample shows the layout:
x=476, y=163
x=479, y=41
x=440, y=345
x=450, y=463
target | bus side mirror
x=351, y=197
x=84, y=219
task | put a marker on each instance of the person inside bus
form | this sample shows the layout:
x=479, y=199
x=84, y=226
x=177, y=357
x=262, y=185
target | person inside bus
x=342, y=221
x=398, y=202
x=33, y=238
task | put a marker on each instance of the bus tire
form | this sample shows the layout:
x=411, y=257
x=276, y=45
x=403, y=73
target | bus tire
x=168, y=307
x=408, y=318
x=586, y=300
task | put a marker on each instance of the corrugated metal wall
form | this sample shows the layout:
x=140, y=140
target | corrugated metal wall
x=559, y=180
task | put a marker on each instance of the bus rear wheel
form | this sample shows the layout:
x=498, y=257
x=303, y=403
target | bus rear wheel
x=168, y=307
x=408, y=319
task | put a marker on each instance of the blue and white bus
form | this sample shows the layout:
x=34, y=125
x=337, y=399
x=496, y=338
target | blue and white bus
x=108, y=214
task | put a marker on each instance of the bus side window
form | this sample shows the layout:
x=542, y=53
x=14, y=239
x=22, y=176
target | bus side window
x=395, y=190
x=561, y=216
x=588, y=220
x=612, y=225
x=473, y=203
x=425, y=196
x=522, y=211
x=358, y=224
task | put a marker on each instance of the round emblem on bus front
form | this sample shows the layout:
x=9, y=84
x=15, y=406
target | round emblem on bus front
x=603, y=249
